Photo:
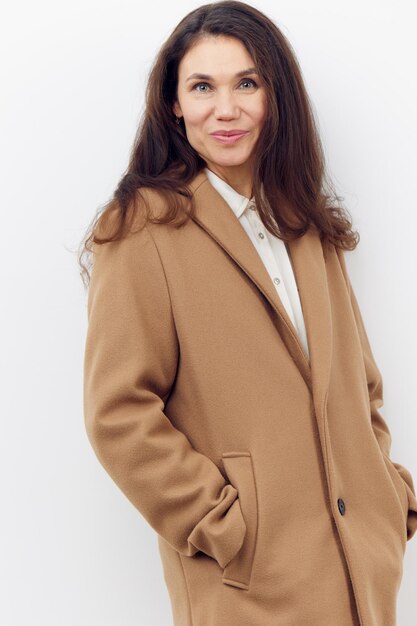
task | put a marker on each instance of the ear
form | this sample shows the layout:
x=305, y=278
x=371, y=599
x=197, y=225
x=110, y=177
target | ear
x=177, y=109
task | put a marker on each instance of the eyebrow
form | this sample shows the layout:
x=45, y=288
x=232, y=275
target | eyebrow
x=249, y=70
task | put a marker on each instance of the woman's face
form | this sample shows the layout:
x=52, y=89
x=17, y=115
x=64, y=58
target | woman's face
x=218, y=91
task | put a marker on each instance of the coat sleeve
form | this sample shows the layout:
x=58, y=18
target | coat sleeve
x=376, y=400
x=130, y=363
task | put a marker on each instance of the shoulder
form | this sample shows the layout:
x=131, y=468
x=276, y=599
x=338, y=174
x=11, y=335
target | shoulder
x=341, y=256
x=131, y=255
x=145, y=203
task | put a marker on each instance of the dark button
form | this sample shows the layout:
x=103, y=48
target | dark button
x=341, y=506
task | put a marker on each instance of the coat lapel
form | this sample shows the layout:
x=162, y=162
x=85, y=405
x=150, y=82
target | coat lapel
x=218, y=220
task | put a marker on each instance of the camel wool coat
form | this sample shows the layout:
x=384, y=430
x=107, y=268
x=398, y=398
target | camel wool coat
x=266, y=476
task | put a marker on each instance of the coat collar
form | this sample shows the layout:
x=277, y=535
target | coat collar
x=214, y=215
x=235, y=200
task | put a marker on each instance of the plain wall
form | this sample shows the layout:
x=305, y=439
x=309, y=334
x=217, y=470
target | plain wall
x=73, y=550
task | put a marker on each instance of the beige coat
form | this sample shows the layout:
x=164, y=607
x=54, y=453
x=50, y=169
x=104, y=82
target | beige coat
x=267, y=478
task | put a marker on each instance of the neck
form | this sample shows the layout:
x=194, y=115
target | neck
x=237, y=176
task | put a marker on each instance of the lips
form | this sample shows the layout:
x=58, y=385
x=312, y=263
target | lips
x=229, y=133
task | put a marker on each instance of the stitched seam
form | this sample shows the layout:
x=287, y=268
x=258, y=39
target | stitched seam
x=170, y=305
x=231, y=455
x=165, y=276
x=206, y=180
x=397, y=494
x=257, y=519
x=188, y=591
x=237, y=582
x=245, y=455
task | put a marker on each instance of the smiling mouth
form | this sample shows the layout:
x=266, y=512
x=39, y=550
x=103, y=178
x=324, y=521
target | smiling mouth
x=229, y=133
x=232, y=137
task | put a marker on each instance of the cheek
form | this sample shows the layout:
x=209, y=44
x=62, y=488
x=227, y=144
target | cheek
x=259, y=111
x=259, y=115
x=195, y=115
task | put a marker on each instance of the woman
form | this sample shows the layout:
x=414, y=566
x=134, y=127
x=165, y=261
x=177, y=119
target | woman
x=230, y=388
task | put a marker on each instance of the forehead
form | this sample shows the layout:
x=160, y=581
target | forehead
x=218, y=56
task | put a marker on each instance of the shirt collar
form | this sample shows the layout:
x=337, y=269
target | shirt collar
x=235, y=200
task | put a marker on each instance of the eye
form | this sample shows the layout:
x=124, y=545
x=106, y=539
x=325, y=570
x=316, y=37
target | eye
x=248, y=80
x=199, y=85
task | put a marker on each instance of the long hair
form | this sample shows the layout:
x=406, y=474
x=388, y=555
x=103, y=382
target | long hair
x=288, y=162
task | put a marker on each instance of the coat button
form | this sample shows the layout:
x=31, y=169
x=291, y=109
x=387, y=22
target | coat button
x=341, y=506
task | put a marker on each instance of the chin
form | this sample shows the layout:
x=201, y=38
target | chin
x=228, y=160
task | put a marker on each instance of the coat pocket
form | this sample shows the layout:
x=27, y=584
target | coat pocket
x=239, y=469
x=401, y=492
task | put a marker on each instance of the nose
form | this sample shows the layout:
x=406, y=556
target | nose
x=225, y=106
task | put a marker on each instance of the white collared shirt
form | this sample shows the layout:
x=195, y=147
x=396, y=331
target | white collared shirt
x=271, y=249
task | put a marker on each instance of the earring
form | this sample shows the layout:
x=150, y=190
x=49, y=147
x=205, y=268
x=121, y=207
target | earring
x=177, y=120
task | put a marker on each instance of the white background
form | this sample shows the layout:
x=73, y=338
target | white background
x=73, y=550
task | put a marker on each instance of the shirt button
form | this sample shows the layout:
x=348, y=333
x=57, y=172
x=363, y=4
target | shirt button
x=341, y=505
x=261, y=235
x=277, y=280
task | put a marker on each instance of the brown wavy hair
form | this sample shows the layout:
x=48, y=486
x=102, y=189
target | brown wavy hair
x=289, y=158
